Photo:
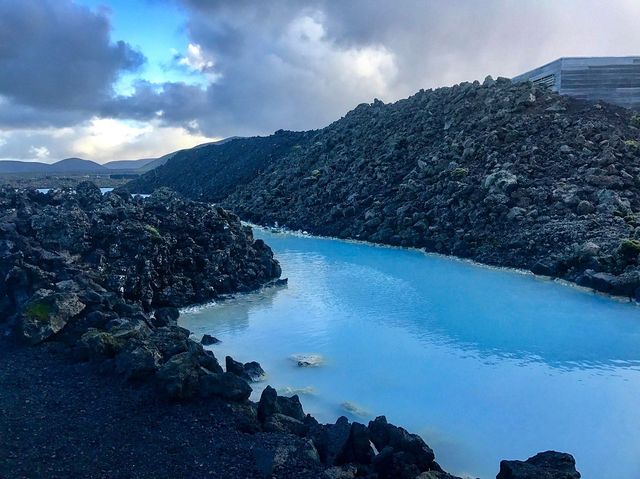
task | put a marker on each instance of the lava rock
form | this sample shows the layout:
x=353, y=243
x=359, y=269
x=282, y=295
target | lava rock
x=384, y=435
x=166, y=317
x=544, y=465
x=46, y=313
x=208, y=340
x=251, y=371
x=225, y=385
x=138, y=362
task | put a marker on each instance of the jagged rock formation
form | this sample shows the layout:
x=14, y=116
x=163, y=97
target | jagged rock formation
x=505, y=174
x=104, y=274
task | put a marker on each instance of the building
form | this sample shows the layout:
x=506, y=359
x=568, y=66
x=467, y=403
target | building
x=612, y=79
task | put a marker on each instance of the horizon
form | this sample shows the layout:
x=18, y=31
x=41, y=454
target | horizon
x=198, y=71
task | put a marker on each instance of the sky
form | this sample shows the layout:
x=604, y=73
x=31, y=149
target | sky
x=125, y=79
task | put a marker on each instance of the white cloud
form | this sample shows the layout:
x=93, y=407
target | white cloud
x=39, y=152
x=369, y=70
x=100, y=140
x=107, y=139
x=196, y=61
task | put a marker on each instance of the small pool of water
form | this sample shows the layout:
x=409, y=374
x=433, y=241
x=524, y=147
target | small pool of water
x=484, y=364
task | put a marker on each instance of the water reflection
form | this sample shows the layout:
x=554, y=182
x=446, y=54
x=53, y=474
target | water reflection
x=232, y=314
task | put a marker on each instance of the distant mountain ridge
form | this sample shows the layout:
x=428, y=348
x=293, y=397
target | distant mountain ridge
x=80, y=165
x=68, y=165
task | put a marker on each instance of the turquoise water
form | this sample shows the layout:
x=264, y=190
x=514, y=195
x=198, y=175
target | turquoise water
x=485, y=364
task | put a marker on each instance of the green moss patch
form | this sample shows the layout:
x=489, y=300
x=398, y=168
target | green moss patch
x=152, y=230
x=39, y=311
x=630, y=247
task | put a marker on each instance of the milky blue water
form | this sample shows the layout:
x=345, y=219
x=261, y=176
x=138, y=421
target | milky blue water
x=485, y=364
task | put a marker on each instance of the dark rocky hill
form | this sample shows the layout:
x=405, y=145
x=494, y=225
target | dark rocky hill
x=214, y=171
x=504, y=174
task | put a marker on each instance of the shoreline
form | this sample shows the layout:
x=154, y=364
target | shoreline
x=507, y=269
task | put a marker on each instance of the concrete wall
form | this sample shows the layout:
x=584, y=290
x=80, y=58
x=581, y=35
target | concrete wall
x=612, y=79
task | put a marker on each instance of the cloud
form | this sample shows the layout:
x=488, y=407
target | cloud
x=39, y=152
x=173, y=103
x=98, y=139
x=254, y=67
x=299, y=64
x=194, y=61
x=57, y=59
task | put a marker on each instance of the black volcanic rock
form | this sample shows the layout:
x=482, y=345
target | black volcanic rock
x=545, y=465
x=505, y=174
x=89, y=270
x=208, y=340
x=251, y=371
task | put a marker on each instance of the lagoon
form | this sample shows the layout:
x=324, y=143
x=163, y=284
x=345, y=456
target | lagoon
x=485, y=364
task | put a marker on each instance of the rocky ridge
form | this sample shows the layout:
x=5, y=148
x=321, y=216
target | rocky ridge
x=505, y=174
x=105, y=274
x=102, y=276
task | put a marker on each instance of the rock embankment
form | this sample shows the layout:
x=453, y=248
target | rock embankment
x=506, y=174
x=105, y=274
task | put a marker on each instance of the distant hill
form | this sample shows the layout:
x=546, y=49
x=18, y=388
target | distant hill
x=82, y=166
x=22, y=167
x=68, y=165
x=77, y=165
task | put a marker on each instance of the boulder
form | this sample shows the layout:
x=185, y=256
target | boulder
x=224, y=385
x=179, y=377
x=170, y=340
x=544, y=465
x=416, y=451
x=585, y=208
x=282, y=423
x=391, y=464
x=166, y=317
x=208, y=340
x=46, y=313
x=270, y=404
x=88, y=193
x=96, y=345
x=331, y=440
x=251, y=371
x=138, y=362
x=340, y=472
x=358, y=448
x=436, y=475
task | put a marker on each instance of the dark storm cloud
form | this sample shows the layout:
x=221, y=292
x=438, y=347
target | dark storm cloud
x=56, y=56
x=173, y=103
x=302, y=63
